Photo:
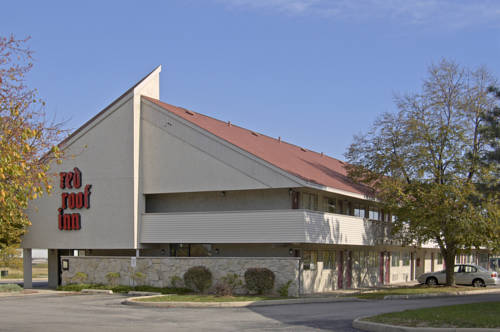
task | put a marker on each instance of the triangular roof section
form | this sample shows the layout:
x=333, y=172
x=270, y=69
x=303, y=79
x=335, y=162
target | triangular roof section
x=315, y=168
x=106, y=109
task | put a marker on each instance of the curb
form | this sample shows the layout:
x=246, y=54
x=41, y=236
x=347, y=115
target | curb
x=138, y=293
x=240, y=304
x=359, y=324
x=458, y=293
x=96, y=291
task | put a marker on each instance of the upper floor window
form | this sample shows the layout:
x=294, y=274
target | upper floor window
x=373, y=213
x=359, y=210
x=330, y=205
x=309, y=201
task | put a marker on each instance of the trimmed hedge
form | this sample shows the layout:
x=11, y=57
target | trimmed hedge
x=259, y=280
x=198, y=278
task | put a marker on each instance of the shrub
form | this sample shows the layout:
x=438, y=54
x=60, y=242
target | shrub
x=198, y=278
x=138, y=277
x=113, y=278
x=227, y=284
x=259, y=280
x=79, y=278
x=283, y=290
x=175, y=281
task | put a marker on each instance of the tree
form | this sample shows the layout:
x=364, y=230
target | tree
x=490, y=129
x=25, y=137
x=424, y=162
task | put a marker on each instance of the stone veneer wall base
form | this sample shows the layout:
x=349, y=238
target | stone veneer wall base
x=158, y=271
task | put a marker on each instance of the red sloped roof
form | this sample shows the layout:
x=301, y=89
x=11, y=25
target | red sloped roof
x=308, y=165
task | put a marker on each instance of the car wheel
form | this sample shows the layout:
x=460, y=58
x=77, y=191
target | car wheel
x=478, y=283
x=431, y=281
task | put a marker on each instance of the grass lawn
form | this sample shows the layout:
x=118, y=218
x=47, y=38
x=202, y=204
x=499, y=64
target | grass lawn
x=419, y=289
x=8, y=288
x=472, y=315
x=208, y=298
x=39, y=271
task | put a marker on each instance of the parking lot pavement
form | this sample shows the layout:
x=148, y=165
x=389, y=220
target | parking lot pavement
x=63, y=312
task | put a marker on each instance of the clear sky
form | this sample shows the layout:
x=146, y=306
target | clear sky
x=314, y=72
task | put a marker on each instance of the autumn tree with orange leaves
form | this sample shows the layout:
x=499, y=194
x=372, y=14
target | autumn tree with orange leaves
x=27, y=141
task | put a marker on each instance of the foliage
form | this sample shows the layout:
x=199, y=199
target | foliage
x=425, y=163
x=125, y=289
x=198, y=278
x=79, y=278
x=138, y=277
x=113, y=278
x=490, y=129
x=259, y=280
x=11, y=257
x=228, y=284
x=283, y=289
x=4, y=288
x=25, y=137
x=175, y=281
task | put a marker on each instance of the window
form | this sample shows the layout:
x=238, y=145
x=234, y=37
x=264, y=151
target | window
x=395, y=259
x=373, y=213
x=330, y=205
x=329, y=260
x=440, y=258
x=457, y=268
x=372, y=260
x=359, y=210
x=310, y=201
x=469, y=269
x=394, y=218
x=457, y=259
x=310, y=259
x=406, y=258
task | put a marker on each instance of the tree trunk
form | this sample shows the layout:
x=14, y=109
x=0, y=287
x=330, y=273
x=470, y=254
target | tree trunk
x=449, y=258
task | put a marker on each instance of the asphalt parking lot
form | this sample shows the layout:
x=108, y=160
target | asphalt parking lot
x=62, y=312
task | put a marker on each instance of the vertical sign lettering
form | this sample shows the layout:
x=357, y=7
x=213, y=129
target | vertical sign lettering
x=72, y=200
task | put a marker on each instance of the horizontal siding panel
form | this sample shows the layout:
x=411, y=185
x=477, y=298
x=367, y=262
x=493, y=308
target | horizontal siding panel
x=274, y=226
x=329, y=228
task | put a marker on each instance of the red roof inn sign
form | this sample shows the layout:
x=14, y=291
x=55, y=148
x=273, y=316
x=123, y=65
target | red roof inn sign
x=72, y=200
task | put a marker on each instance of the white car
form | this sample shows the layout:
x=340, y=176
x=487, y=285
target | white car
x=465, y=274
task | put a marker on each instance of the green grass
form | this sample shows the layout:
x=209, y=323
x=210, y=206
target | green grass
x=125, y=289
x=208, y=298
x=473, y=315
x=5, y=288
x=420, y=289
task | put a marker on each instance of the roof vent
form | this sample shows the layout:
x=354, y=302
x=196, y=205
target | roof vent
x=189, y=112
x=229, y=123
x=254, y=133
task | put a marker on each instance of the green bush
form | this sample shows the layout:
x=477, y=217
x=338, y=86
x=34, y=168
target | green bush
x=138, y=278
x=259, y=280
x=198, y=278
x=283, y=290
x=228, y=284
x=4, y=288
x=125, y=289
x=79, y=278
x=113, y=278
x=175, y=281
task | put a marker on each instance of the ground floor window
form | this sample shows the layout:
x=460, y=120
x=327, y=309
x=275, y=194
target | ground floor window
x=395, y=258
x=440, y=258
x=406, y=258
x=310, y=259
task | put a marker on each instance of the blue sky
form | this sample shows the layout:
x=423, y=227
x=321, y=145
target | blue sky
x=314, y=72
